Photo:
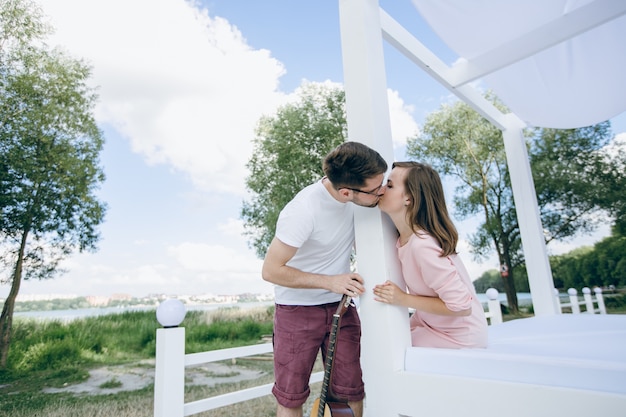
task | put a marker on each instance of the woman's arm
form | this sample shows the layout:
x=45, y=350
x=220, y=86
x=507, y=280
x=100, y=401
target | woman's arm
x=390, y=293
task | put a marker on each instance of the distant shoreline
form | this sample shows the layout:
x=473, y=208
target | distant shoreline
x=78, y=313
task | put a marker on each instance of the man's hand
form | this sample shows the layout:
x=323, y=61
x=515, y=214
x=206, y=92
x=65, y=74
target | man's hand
x=348, y=284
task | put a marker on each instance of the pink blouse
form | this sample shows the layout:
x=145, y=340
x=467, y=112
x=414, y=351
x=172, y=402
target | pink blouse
x=427, y=273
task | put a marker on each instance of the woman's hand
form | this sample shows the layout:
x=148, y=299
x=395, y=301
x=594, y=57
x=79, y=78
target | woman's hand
x=389, y=293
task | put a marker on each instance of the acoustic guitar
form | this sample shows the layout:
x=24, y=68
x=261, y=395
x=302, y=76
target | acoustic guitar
x=326, y=405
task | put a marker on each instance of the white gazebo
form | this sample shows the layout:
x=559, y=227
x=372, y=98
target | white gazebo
x=554, y=63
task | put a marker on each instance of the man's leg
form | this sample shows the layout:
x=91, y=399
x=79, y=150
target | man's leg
x=288, y=412
x=298, y=334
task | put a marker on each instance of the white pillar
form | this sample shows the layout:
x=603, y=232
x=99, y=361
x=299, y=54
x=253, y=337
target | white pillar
x=385, y=328
x=169, y=375
x=531, y=230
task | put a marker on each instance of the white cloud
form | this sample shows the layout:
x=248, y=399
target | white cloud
x=214, y=258
x=232, y=227
x=403, y=125
x=184, y=87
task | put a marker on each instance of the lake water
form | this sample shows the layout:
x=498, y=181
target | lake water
x=524, y=298
x=69, y=315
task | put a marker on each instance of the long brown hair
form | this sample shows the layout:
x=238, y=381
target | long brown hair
x=427, y=210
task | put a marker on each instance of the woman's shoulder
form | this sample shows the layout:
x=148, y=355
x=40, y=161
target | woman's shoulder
x=423, y=239
x=422, y=244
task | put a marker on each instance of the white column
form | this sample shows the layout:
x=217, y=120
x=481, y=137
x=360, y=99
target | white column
x=531, y=230
x=169, y=375
x=385, y=328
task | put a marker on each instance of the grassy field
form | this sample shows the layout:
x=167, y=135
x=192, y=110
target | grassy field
x=51, y=355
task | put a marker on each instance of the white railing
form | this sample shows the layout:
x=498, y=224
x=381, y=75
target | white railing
x=588, y=301
x=171, y=361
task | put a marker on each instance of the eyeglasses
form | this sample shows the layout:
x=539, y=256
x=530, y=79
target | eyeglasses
x=374, y=192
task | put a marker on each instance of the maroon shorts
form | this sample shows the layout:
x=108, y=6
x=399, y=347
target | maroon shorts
x=299, y=333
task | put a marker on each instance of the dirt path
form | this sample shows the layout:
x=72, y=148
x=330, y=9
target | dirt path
x=113, y=379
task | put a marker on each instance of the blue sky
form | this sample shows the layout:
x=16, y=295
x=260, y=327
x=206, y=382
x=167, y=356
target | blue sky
x=181, y=87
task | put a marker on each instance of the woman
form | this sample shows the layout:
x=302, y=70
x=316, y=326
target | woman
x=447, y=312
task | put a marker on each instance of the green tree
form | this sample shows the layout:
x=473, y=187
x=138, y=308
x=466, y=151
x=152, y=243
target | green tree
x=489, y=279
x=49, y=150
x=602, y=265
x=288, y=151
x=572, y=176
x=568, y=169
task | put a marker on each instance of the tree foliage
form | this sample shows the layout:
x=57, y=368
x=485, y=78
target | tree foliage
x=602, y=266
x=288, y=151
x=569, y=170
x=49, y=150
x=572, y=176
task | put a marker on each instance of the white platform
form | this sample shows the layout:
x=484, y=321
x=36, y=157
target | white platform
x=574, y=351
x=561, y=365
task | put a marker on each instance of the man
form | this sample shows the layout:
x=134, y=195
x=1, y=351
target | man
x=309, y=262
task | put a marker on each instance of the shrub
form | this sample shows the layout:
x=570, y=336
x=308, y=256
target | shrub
x=41, y=356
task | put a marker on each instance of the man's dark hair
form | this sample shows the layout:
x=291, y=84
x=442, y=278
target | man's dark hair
x=351, y=164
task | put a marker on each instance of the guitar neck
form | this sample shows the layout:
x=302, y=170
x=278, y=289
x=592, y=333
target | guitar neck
x=330, y=352
x=330, y=357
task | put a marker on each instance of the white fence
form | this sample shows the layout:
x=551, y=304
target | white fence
x=592, y=304
x=169, y=383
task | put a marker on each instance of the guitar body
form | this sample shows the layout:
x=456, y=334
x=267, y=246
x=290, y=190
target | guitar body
x=332, y=409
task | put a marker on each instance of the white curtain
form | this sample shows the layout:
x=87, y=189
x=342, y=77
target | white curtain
x=578, y=82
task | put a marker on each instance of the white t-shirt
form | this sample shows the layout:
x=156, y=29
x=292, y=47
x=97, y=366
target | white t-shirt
x=322, y=229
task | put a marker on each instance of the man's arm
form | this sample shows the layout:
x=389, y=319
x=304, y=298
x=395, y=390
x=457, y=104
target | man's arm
x=276, y=271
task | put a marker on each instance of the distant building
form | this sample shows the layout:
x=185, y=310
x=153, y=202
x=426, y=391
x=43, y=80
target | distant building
x=121, y=297
x=97, y=301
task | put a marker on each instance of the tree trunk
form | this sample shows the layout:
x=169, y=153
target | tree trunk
x=511, y=292
x=6, y=319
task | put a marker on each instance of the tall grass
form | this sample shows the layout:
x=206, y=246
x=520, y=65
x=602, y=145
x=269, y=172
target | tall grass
x=128, y=336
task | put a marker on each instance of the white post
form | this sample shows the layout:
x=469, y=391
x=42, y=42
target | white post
x=493, y=305
x=169, y=375
x=588, y=300
x=557, y=298
x=600, y=300
x=573, y=300
x=385, y=329
x=169, y=372
x=527, y=209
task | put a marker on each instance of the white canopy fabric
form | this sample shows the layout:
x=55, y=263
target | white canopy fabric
x=554, y=63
